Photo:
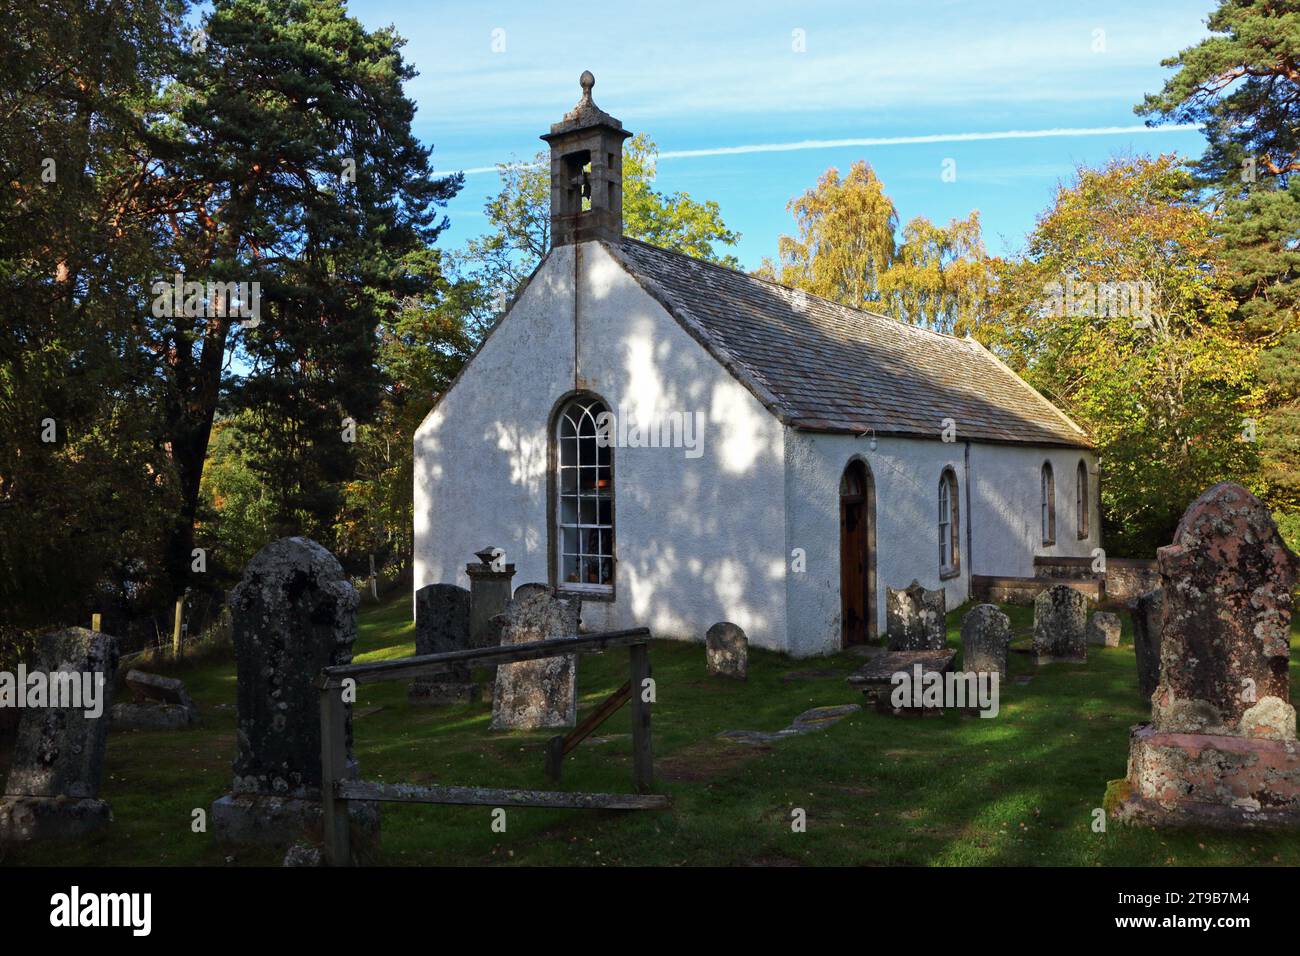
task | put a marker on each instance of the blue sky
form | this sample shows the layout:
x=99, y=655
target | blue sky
x=726, y=76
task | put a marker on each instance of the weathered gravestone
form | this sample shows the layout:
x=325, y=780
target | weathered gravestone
x=1221, y=747
x=530, y=695
x=161, y=703
x=532, y=587
x=293, y=614
x=985, y=636
x=1060, y=621
x=442, y=613
x=52, y=790
x=1104, y=629
x=726, y=651
x=1146, y=612
x=914, y=618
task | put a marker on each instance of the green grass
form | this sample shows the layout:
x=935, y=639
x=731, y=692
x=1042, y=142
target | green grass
x=1017, y=789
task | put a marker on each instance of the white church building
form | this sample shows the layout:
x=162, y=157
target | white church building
x=679, y=443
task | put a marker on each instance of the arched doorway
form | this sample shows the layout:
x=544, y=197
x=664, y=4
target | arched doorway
x=857, y=554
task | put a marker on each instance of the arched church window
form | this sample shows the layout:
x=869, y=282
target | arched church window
x=584, y=502
x=949, y=525
x=1081, y=508
x=1048, y=504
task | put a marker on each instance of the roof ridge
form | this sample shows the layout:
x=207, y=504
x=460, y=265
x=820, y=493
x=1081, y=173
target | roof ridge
x=787, y=288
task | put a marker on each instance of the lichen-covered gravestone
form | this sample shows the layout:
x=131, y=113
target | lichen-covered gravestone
x=726, y=651
x=915, y=618
x=1221, y=747
x=52, y=790
x=1060, y=621
x=293, y=614
x=530, y=695
x=1104, y=629
x=161, y=703
x=985, y=636
x=442, y=613
x=1146, y=613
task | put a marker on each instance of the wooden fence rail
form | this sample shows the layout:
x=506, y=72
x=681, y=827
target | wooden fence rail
x=337, y=790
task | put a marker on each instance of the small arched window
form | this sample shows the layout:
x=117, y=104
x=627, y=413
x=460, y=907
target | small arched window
x=949, y=525
x=583, y=521
x=1081, y=508
x=1049, y=504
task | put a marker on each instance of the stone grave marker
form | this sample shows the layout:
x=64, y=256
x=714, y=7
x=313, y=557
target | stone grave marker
x=726, y=651
x=985, y=637
x=1060, y=621
x=914, y=618
x=1221, y=747
x=1146, y=612
x=160, y=703
x=293, y=614
x=442, y=615
x=1104, y=629
x=52, y=790
x=530, y=695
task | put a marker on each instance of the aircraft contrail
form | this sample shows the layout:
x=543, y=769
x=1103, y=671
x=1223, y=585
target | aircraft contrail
x=905, y=141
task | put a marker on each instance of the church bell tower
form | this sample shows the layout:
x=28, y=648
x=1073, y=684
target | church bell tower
x=586, y=173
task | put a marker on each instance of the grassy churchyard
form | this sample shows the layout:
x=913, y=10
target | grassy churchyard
x=1018, y=789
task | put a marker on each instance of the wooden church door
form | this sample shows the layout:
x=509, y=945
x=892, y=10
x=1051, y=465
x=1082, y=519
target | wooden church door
x=857, y=554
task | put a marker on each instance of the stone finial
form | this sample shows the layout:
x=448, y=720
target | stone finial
x=587, y=81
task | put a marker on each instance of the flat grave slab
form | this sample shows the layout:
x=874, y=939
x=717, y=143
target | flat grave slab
x=875, y=677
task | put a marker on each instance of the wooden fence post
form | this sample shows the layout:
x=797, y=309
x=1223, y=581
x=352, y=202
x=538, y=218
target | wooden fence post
x=176, y=627
x=642, y=754
x=333, y=765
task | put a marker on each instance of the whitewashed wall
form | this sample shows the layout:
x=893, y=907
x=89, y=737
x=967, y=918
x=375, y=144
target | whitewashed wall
x=906, y=473
x=1008, y=526
x=698, y=540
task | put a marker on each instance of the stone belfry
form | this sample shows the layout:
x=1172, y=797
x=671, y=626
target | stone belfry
x=586, y=173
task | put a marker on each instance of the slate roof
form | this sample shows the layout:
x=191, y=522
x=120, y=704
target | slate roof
x=821, y=366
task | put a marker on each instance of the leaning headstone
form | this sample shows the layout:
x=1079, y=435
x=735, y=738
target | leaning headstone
x=1221, y=747
x=530, y=695
x=489, y=588
x=1146, y=612
x=915, y=618
x=293, y=614
x=442, y=613
x=726, y=651
x=1060, y=621
x=160, y=703
x=1103, y=629
x=985, y=637
x=52, y=790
